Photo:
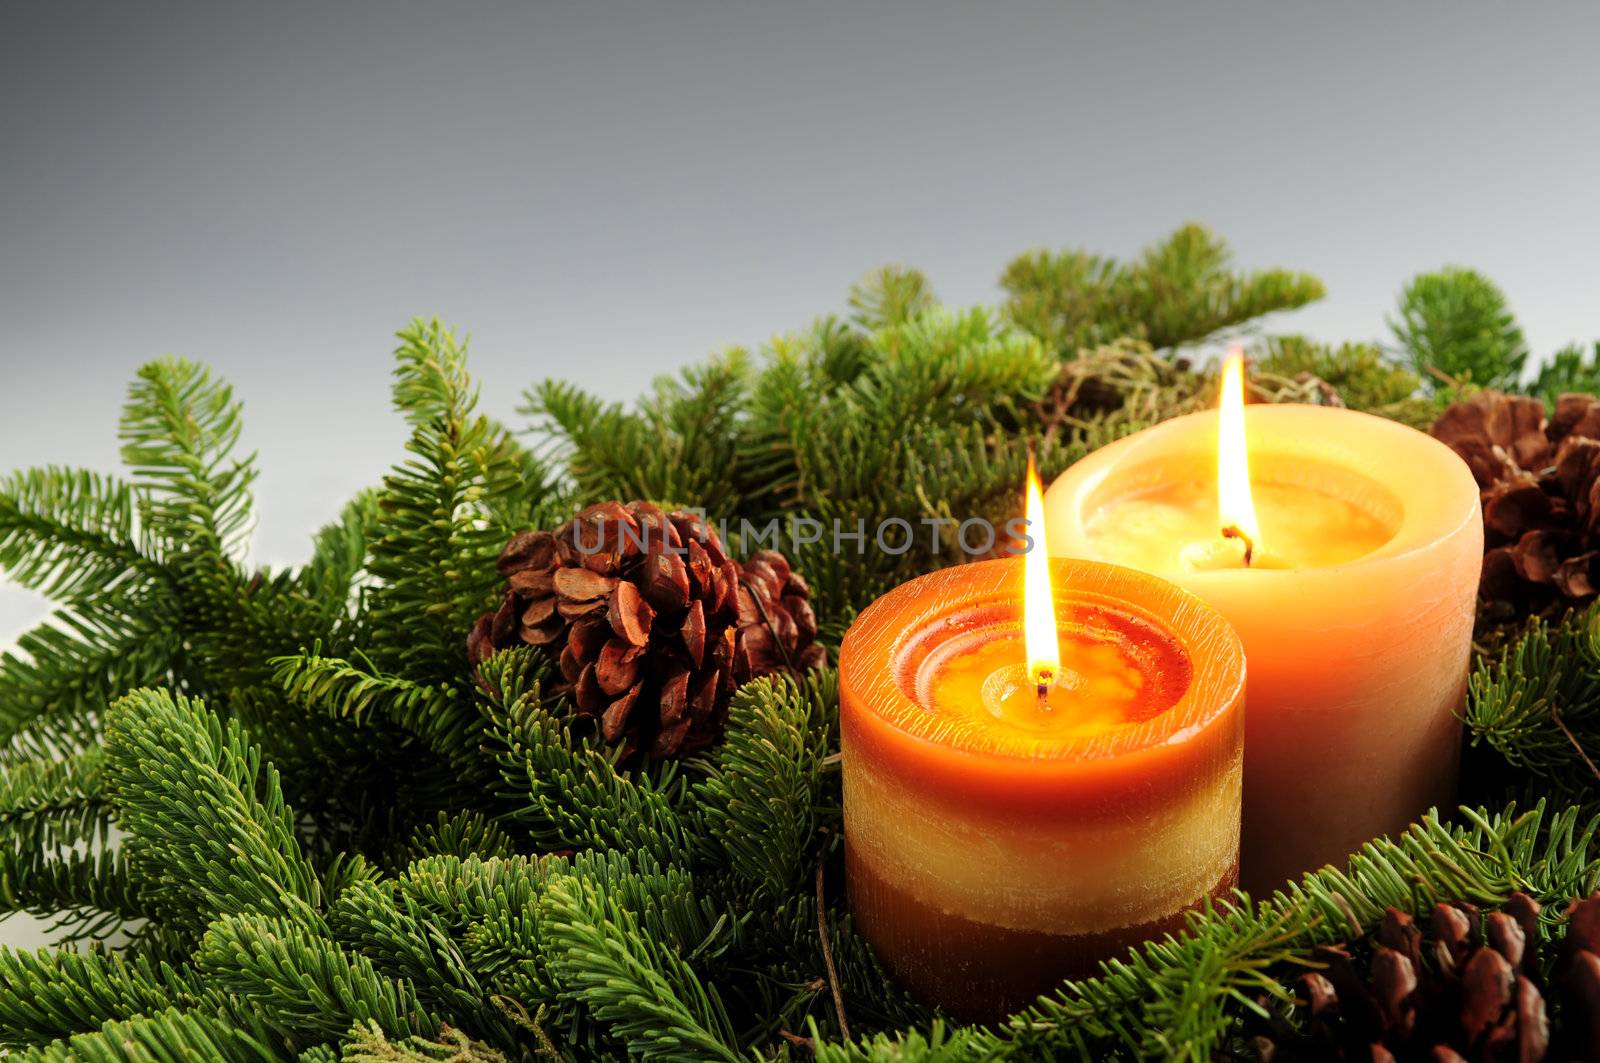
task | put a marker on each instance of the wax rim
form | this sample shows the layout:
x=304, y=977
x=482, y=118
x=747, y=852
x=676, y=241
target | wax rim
x=1215, y=653
x=1430, y=474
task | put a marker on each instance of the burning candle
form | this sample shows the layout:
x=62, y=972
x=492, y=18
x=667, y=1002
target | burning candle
x=1345, y=549
x=1034, y=781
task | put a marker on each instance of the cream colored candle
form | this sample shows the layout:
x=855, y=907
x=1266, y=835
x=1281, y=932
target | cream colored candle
x=1355, y=612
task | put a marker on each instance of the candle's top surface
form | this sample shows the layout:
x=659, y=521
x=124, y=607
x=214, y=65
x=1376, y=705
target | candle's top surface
x=1175, y=527
x=1335, y=489
x=1117, y=670
x=941, y=662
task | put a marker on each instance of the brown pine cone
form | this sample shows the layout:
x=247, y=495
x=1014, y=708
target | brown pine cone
x=1539, y=481
x=1471, y=989
x=650, y=621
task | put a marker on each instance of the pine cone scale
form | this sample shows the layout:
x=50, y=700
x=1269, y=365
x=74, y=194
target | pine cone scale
x=629, y=615
x=694, y=633
x=533, y=581
x=527, y=551
x=618, y=666
x=582, y=584
x=575, y=610
x=540, y=636
x=539, y=612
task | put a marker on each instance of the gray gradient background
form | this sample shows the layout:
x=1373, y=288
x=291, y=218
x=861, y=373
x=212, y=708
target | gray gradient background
x=604, y=192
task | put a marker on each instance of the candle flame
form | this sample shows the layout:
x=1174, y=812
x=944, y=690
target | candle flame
x=1039, y=608
x=1235, y=507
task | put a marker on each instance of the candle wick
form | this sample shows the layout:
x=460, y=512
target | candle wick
x=1233, y=531
x=1045, y=680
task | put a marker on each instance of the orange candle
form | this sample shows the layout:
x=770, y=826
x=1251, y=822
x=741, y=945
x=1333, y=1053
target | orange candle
x=1355, y=602
x=1018, y=809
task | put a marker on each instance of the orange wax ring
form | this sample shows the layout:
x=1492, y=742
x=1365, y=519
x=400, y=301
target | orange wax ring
x=995, y=846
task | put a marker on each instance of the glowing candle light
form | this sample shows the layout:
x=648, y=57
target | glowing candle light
x=1039, y=601
x=1355, y=603
x=998, y=839
x=1235, y=506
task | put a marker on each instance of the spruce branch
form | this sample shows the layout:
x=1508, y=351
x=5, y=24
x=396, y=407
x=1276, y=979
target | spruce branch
x=1179, y=291
x=67, y=670
x=939, y=1043
x=1177, y=999
x=302, y=985
x=500, y=913
x=87, y=896
x=341, y=780
x=206, y=817
x=459, y=891
x=171, y=1036
x=1362, y=376
x=69, y=534
x=332, y=578
x=1183, y=289
x=358, y=694
x=50, y=736
x=676, y=448
x=1454, y=324
x=463, y=834
x=890, y=296
x=663, y=898
x=634, y=982
x=567, y=792
x=1573, y=368
x=179, y=431
x=47, y=805
x=1538, y=705
x=53, y=993
x=382, y=923
x=432, y=558
x=759, y=800
x=908, y=437
x=492, y=908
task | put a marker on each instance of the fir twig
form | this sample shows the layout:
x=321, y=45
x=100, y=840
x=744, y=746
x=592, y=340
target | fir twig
x=1583, y=754
x=826, y=940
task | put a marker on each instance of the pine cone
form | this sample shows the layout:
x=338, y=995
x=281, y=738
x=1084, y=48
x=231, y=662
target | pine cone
x=1470, y=989
x=1540, y=485
x=650, y=622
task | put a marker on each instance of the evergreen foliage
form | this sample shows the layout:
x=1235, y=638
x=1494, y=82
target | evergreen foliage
x=439, y=525
x=1359, y=373
x=1455, y=326
x=292, y=823
x=765, y=794
x=914, y=421
x=169, y=1036
x=193, y=794
x=369, y=1045
x=1538, y=706
x=1179, y=291
x=1572, y=368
